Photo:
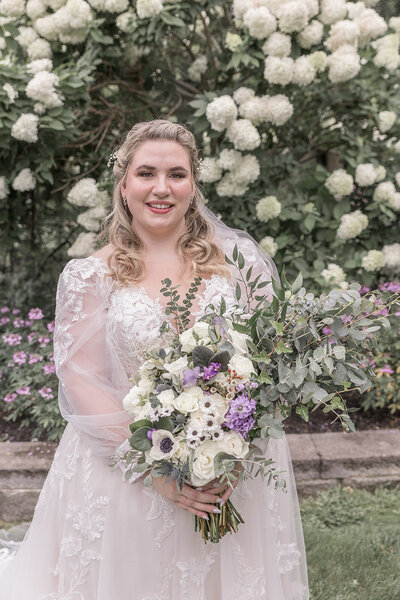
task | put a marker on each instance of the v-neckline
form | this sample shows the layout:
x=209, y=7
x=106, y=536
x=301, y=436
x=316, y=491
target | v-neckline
x=156, y=301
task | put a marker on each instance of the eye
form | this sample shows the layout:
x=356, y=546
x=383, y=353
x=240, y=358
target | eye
x=174, y=175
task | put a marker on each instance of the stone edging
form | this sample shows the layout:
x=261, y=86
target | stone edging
x=362, y=459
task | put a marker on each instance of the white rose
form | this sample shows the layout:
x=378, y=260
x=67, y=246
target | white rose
x=188, y=401
x=238, y=340
x=203, y=463
x=164, y=444
x=132, y=403
x=242, y=365
x=145, y=385
x=177, y=366
x=166, y=397
x=234, y=443
x=182, y=451
x=187, y=340
x=201, y=329
x=221, y=404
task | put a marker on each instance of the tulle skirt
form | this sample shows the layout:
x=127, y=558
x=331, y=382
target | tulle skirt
x=96, y=537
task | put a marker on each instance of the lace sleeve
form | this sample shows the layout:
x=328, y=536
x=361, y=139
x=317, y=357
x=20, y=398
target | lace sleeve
x=92, y=381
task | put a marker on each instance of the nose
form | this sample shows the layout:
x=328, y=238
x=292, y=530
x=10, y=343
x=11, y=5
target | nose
x=161, y=185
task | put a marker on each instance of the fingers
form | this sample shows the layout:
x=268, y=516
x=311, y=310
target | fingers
x=196, y=496
x=198, y=505
x=193, y=511
x=229, y=490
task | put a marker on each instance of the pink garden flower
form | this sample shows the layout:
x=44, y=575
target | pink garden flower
x=50, y=326
x=12, y=339
x=386, y=369
x=46, y=392
x=49, y=368
x=4, y=309
x=18, y=322
x=20, y=357
x=16, y=311
x=35, y=314
x=4, y=320
x=34, y=358
x=10, y=397
x=24, y=390
x=31, y=336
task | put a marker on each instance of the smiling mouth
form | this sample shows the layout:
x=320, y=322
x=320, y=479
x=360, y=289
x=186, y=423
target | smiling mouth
x=159, y=205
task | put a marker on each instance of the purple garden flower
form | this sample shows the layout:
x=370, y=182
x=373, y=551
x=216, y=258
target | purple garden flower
x=4, y=320
x=210, y=371
x=4, y=309
x=35, y=314
x=20, y=357
x=46, y=393
x=23, y=391
x=190, y=376
x=12, y=339
x=49, y=368
x=150, y=433
x=386, y=369
x=10, y=397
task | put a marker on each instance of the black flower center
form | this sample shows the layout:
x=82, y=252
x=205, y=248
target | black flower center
x=166, y=445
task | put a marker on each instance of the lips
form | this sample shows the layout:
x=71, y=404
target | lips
x=159, y=208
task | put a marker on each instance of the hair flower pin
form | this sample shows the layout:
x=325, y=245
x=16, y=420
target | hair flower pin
x=112, y=159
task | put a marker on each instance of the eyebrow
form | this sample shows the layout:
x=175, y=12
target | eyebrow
x=178, y=168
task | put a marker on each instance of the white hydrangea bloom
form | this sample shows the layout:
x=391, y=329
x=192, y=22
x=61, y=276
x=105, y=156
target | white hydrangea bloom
x=24, y=181
x=332, y=11
x=380, y=173
x=279, y=70
x=248, y=170
x=42, y=89
x=293, y=17
x=384, y=191
x=229, y=160
x=311, y=35
x=243, y=135
x=392, y=256
x=373, y=260
x=126, y=21
x=39, y=108
x=339, y=183
x=116, y=6
x=259, y=22
x=229, y=186
x=97, y=4
x=333, y=274
x=11, y=92
x=394, y=201
x=312, y=7
x=242, y=94
x=233, y=41
x=85, y=193
x=344, y=64
x=42, y=64
x=197, y=68
x=73, y=36
x=25, y=128
x=76, y=14
x=280, y=109
x=387, y=55
x=255, y=110
x=269, y=245
x=365, y=174
x=47, y=27
x=394, y=23
x=148, y=8
x=319, y=60
x=210, y=171
x=386, y=120
x=268, y=208
x=397, y=178
x=240, y=7
x=26, y=36
x=39, y=49
x=90, y=219
x=304, y=73
x=354, y=9
x=35, y=9
x=4, y=190
x=371, y=26
x=343, y=32
x=84, y=245
x=351, y=225
x=12, y=8
x=55, y=4
x=221, y=112
x=278, y=44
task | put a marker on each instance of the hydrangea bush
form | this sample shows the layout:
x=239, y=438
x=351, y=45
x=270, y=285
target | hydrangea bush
x=28, y=383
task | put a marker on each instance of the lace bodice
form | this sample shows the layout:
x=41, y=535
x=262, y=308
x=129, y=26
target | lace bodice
x=134, y=318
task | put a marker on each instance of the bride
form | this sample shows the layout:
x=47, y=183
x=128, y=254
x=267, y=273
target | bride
x=95, y=535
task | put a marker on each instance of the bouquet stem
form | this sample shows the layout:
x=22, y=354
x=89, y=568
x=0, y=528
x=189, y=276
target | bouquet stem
x=219, y=525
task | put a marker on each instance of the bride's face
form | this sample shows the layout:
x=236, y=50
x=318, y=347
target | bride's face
x=158, y=186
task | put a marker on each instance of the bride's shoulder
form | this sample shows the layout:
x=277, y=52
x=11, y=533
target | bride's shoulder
x=89, y=269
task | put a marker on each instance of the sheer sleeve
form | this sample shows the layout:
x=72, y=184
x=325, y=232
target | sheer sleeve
x=92, y=381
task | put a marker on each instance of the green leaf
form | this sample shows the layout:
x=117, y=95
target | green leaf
x=201, y=356
x=138, y=424
x=302, y=411
x=238, y=292
x=164, y=423
x=281, y=348
x=241, y=260
x=140, y=441
x=298, y=282
x=279, y=327
x=235, y=253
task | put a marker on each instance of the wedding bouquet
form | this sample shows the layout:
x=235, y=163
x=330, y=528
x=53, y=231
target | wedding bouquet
x=200, y=405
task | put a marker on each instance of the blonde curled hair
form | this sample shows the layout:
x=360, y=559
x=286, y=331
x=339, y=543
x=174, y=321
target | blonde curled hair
x=195, y=245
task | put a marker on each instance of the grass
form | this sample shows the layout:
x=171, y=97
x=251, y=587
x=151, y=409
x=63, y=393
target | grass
x=353, y=544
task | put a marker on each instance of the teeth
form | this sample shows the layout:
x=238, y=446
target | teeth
x=160, y=205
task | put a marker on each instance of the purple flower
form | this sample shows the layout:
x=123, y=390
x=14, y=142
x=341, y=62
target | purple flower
x=240, y=387
x=242, y=405
x=386, y=369
x=190, y=376
x=46, y=392
x=16, y=311
x=364, y=290
x=4, y=309
x=10, y=397
x=254, y=385
x=20, y=357
x=49, y=368
x=210, y=371
x=150, y=433
x=35, y=314
x=242, y=426
x=18, y=322
x=4, y=320
x=50, y=326
x=326, y=330
x=390, y=286
x=23, y=391
x=31, y=336
x=34, y=358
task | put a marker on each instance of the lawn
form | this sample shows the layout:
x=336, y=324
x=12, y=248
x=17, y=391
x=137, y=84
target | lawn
x=353, y=544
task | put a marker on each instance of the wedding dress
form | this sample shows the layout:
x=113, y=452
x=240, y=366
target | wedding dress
x=95, y=536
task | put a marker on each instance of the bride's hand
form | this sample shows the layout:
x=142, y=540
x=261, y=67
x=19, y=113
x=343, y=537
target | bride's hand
x=216, y=488
x=194, y=501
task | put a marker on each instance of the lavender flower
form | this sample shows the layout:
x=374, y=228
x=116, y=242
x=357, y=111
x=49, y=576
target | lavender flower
x=150, y=433
x=190, y=376
x=35, y=314
x=210, y=371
